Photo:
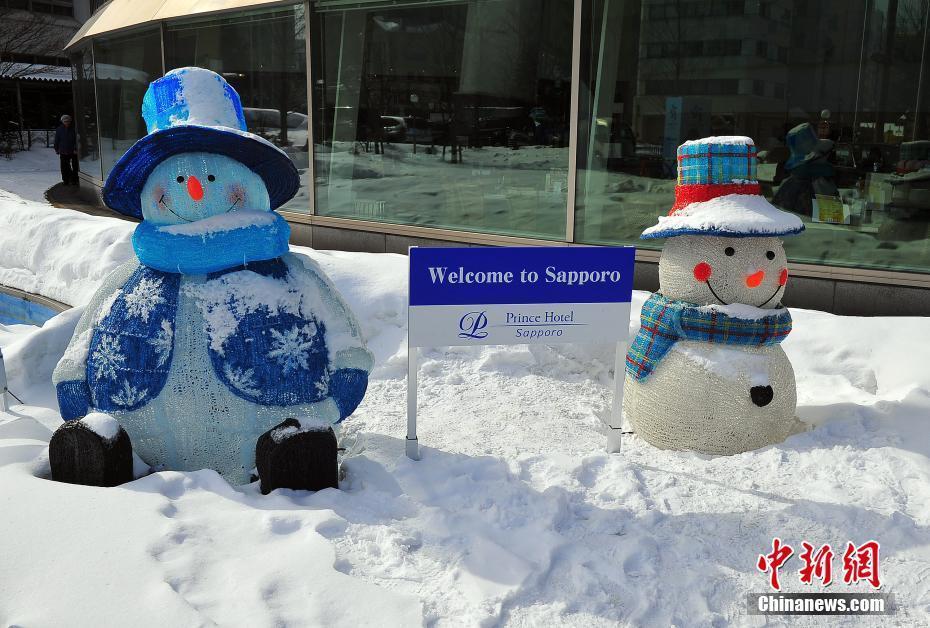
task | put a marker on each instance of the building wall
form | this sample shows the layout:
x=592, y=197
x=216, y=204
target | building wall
x=555, y=122
x=33, y=35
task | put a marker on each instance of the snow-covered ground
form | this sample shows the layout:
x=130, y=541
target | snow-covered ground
x=30, y=173
x=515, y=515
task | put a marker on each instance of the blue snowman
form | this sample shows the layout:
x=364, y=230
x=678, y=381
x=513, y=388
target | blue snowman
x=217, y=348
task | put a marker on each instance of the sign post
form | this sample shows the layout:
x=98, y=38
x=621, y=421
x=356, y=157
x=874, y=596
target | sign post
x=3, y=389
x=412, y=446
x=518, y=295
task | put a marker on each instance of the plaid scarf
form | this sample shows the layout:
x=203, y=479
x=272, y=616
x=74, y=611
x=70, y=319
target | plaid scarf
x=665, y=321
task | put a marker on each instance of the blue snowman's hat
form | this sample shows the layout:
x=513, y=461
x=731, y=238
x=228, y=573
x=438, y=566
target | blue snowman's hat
x=195, y=110
x=805, y=146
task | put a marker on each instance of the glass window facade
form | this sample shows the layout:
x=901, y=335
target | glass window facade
x=85, y=112
x=124, y=68
x=834, y=94
x=457, y=114
x=446, y=114
x=262, y=54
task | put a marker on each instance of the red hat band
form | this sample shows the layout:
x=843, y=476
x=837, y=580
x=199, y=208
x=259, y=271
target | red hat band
x=697, y=193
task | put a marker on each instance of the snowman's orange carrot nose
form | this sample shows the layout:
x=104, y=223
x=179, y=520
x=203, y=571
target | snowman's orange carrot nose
x=194, y=188
x=755, y=279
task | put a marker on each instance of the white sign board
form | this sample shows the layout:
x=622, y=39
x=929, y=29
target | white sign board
x=518, y=295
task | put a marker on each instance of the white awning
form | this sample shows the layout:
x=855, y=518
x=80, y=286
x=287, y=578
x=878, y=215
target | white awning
x=36, y=72
x=105, y=71
x=117, y=15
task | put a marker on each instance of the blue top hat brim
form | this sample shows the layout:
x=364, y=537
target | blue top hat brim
x=123, y=188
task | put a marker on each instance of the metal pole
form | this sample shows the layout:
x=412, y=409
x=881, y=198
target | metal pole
x=3, y=404
x=920, y=76
x=616, y=407
x=865, y=23
x=573, y=124
x=311, y=112
x=887, y=56
x=19, y=112
x=412, y=446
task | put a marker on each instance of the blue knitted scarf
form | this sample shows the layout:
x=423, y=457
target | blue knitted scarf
x=665, y=322
x=212, y=244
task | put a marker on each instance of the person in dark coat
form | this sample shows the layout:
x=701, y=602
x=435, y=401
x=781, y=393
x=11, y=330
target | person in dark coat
x=66, y=148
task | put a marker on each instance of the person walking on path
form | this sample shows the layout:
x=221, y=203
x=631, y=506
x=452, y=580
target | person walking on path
x=66, y=148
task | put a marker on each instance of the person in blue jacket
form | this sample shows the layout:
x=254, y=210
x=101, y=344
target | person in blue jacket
x=217, y=347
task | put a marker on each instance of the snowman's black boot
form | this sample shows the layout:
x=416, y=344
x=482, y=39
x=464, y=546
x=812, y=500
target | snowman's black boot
x=78, y=455
x=288, y=458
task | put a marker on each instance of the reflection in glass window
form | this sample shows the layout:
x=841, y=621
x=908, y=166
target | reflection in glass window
x=452, y=115
x=85, y=112
x=834, y=93
x=262, y=54
x=124, y=68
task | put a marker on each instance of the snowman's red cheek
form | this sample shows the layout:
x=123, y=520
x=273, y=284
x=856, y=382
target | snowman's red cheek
x=783, y=277
x=235, y=193
x=702, y=271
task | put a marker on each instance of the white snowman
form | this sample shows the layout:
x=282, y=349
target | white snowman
x=705, y=372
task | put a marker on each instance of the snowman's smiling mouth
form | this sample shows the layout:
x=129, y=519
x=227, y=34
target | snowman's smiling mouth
x=161, y=201
x=722, y=302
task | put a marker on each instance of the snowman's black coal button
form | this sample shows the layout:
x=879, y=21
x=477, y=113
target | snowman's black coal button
x=761, y=395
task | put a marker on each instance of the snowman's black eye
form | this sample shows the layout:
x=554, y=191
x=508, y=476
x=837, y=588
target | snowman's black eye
x=180, y=179
x=729, y=251
x=210, y=177
x=770, y=254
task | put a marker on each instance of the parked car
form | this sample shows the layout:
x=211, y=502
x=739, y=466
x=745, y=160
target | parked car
x=267, y=124
x=395, y=129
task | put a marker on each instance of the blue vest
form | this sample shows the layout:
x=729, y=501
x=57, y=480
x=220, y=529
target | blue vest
x=269, y=359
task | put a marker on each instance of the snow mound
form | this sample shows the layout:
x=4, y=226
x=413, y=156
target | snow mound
x=30, y=173
x=58, y=253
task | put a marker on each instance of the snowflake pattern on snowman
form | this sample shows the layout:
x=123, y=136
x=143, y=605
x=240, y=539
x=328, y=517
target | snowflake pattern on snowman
x=291, y=349
x=162, y=342
x=128, y=396
x=107, y=358
x=129, y=355
x=145, y=296
x=216, y=334
x=717, y=322
x=242, y=380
